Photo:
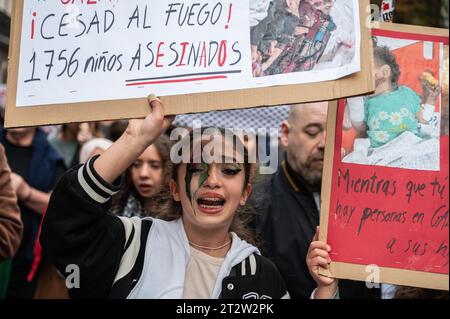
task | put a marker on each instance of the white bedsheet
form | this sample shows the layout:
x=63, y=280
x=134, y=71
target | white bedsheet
x=406, y=151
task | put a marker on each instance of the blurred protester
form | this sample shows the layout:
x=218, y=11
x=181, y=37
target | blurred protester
x=51, y=284
x=116, y=129
x=145, y=188
x=93, y=147
x=36, y=168
x=10, y=224
x=65, y=142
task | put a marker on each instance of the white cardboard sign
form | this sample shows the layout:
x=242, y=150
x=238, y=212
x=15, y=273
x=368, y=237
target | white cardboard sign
x=97, y=50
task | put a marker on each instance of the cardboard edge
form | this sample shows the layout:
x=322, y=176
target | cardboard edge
x=13, y=59
x=327, y=176
x=406, y=28
x=389, y=276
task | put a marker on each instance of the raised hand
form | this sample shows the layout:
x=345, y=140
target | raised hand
x=136, y=138
x=146, y=131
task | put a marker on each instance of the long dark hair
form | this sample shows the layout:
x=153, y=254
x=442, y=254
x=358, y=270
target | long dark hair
x=241, y=218
x=385, y=56
x=159, y=204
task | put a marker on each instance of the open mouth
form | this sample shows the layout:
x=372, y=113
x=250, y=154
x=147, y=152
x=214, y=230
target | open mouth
x=210, y=204
x=145, y=189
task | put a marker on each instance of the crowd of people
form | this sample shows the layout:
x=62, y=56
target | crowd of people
x=107, y=198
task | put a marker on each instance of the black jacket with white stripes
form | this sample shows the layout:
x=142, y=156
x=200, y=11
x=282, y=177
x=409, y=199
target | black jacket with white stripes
x=79, y=230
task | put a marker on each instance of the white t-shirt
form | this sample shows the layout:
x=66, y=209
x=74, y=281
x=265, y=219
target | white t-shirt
x=201, y=275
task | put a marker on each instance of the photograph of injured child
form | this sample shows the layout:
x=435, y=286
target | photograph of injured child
x=301, y=35
x=401, y=123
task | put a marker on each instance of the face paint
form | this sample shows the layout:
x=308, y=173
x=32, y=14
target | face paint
x=204, y=173
x=230, y=169
x=191, y=169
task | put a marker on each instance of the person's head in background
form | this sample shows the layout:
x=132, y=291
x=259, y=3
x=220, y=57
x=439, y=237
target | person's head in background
x=69, y=132
x=249, y=139
x=88, y=131
x=93, y=147
x=116, y=129
x=21, y=136
x=103, y=127
x=303, y=137
x=387, y=70
x=148, y=180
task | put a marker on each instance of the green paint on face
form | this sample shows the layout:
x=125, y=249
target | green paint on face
x=204, y=173
x=193, y=169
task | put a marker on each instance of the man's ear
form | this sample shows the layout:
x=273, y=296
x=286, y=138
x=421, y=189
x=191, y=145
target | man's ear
x=173, y=187
x=245, y=194
x=284, y=138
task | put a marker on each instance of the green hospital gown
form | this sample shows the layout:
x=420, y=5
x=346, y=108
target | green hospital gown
x=390, y=114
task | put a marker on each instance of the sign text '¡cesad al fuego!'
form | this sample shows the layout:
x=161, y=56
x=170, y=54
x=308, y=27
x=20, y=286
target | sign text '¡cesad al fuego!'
x=197, y=54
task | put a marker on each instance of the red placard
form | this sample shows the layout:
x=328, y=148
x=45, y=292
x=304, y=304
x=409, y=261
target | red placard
x=392, y=216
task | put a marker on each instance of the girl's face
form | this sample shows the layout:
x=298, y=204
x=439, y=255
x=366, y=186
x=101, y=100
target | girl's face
x=210, y=194
x=147, y=172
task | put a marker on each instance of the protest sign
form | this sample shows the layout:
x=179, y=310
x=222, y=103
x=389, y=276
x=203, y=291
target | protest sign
x=73, y=61
x=385, y=211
